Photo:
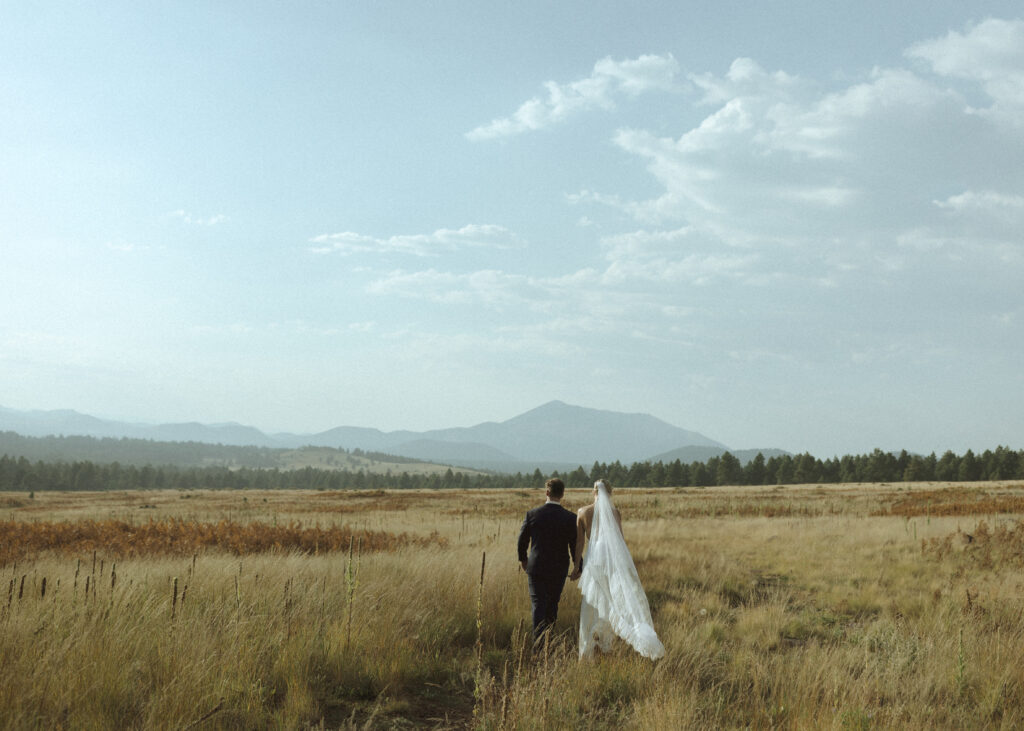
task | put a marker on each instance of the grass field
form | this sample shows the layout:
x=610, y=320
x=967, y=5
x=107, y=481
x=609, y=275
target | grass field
x=846, y=607
x=326, y=458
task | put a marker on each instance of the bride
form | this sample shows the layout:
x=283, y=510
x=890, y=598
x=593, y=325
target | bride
x=613, y=601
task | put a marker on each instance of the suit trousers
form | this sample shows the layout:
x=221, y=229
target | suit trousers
x=545, y=591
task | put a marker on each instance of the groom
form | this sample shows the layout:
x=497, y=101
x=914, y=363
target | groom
x=550, y=533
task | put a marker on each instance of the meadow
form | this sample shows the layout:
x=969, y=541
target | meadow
x=808, y=606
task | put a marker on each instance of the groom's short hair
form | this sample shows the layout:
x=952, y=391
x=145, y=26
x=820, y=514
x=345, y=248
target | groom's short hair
x=555, y=486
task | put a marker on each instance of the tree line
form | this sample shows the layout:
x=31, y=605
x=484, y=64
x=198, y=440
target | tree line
x=142, y=452
x=878, y=466
x=21, y=474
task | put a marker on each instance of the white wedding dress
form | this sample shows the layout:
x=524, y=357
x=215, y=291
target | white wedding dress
x=613, y=601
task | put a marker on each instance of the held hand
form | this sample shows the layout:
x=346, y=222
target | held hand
x=523, y=565
x=576, y=573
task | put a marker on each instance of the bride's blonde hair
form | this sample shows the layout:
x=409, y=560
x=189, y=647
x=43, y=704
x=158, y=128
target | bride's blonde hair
x=607, y=485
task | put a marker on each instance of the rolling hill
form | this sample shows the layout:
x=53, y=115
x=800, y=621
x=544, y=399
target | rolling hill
x=554, y=435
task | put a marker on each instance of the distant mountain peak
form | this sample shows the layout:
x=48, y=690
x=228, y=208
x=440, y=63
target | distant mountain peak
x=552, y=433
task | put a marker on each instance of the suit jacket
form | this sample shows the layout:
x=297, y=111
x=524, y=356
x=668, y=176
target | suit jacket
x=550, y=533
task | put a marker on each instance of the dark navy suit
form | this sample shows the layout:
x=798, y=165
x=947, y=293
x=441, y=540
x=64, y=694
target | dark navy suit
x=550, y=534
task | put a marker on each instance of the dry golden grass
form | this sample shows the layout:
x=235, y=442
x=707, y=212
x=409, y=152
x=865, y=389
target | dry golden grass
x=796, y=607
x=329, y=458
x=119, y=539
x=958, y=500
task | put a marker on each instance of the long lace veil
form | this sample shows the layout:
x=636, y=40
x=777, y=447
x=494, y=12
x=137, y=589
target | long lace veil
x=613, y=598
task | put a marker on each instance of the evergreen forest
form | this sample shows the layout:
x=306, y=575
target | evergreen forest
x=252, y=468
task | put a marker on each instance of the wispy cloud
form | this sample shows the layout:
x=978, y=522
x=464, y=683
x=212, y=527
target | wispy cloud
x=442, y=240
x=634, y=209
x=976, y=220
x=984, y=200
x=127, y=248
x=609, y=79
x=488, y=287
x=192, y=220
x=554, y=315
x=277, y=328
x=679, y=255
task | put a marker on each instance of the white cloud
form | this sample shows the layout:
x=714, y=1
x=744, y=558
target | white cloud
x=609, y=78
x=782, y=162
x=680, y=255
x=980, y=223
x=634, y=209
x=188, y=218
x=866, y=116
x=990, y=246
x=744, y=78
x=489, y=287
x=985, y=201
x=442, y=240
x=925, y=241
x=826, y=195
x=990, y=53
x=639, y=75
x=758, y=151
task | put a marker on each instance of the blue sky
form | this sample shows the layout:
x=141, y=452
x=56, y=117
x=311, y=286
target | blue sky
x=786, y=224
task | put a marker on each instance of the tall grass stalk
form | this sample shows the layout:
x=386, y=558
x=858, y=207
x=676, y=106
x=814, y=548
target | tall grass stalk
x=479, y=691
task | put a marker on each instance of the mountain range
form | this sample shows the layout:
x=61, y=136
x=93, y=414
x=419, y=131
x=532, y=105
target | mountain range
x=552, y=435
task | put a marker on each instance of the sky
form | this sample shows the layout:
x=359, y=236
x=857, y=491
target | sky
x=781, y=224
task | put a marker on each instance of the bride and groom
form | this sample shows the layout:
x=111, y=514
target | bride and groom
x=613, y=601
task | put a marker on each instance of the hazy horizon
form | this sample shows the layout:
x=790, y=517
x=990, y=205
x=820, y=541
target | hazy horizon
x=793, y=225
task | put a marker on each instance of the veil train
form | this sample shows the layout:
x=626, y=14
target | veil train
x=614, y=602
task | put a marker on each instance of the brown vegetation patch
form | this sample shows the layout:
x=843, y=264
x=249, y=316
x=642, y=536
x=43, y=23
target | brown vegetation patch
x=392, y=501
x=349, y=494
x=954, y=501
x=984, y=547
x=497, y=510
x=753, y=510
x=180, y=537
x=768, y=507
